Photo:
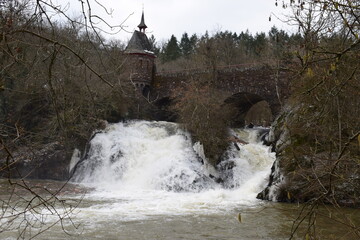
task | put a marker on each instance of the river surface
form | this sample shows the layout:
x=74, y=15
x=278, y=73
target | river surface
x=147, y=180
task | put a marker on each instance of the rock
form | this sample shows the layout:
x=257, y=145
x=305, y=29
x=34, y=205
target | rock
x=226, y=165
x=216, y=179
x=236, y=146
x=251, y=125
x=49, y=161
x=272, y=191
x=279, y=138
x=75, y=159
x=301, y=176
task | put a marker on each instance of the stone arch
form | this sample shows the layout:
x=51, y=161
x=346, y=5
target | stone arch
x=259, y=114
x=239, y=105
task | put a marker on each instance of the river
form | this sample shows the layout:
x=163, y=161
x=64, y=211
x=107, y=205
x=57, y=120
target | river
x=146, y=180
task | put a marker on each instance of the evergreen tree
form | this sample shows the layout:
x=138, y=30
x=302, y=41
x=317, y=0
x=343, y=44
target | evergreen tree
x=246, y=39
x=153, y=45
x=279, y=42
x=194, y=40
x=259, y=43
x=171, y=50
x=185, y=45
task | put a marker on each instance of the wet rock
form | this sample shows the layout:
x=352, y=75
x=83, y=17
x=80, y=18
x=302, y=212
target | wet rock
x=272, y=191
x=236, y=146
x=279, y=138
x=216, y=179
x=49, y=161
x=226, y=165
x=304, y=177
x=251, y=125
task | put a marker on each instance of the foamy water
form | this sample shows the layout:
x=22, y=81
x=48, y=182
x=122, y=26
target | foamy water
x=141, y=169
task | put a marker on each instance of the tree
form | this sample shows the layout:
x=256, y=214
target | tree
x=171, y=50
x=193, y=41
x=187, y=45
x=280, y=43
x=153, y=45
x=200, y=108
x=200, y=105
x=247, y=39
x=260, y=43
x=323, y=156
x=226, y=44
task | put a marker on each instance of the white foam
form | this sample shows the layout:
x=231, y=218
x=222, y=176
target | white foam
x=145, y=168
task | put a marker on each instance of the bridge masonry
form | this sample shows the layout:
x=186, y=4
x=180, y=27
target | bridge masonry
x=243, y=85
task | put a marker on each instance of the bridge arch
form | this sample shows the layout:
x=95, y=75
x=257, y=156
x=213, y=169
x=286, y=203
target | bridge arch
x=240, y=108
x=240, y=88
x=244, y=104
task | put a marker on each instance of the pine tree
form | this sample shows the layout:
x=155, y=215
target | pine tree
x=171, y=50
x=153, y=45
x=186, y=45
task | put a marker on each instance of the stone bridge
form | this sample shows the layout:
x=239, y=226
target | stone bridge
x=242, y=85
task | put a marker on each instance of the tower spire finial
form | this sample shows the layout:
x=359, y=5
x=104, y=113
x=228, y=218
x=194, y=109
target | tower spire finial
x=142, y=26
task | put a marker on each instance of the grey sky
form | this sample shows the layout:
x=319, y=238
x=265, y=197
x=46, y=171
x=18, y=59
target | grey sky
x=166, y=17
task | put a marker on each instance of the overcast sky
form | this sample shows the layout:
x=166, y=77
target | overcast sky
x=167, y=17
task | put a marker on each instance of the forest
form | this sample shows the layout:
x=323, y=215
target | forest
x=229, y=48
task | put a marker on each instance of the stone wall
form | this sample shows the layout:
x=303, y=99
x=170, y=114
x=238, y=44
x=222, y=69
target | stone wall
x=263, y=81
x=140, y=69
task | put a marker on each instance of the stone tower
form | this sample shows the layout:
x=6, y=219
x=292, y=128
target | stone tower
x=140, y=59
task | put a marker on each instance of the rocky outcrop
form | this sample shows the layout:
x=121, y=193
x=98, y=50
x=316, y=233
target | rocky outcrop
x=50, y=161
x=279, y=139
x=301, y=174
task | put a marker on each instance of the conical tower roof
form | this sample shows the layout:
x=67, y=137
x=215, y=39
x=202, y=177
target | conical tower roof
x=139, y=43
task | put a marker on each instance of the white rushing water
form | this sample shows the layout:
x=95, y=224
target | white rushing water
x=147, y=180
x=141, y=169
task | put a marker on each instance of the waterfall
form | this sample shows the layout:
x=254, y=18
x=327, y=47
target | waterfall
x=143, y=155
x=157, y=164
